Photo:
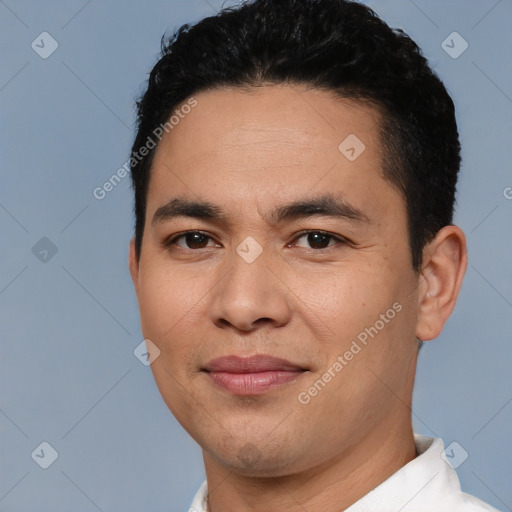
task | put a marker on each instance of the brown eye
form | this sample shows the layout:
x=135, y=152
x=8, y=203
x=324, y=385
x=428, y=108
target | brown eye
x=192, y=240
x=319, y=239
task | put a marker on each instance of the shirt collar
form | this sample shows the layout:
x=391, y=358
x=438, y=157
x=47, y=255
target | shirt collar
x=416, y=486
x=424, y=484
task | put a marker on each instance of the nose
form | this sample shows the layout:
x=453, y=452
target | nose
x=250, y=295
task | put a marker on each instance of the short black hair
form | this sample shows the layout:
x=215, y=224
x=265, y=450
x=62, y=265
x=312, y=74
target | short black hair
x=339, y=46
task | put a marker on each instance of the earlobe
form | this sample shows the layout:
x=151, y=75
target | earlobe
x=445, y=263
x=133, y=263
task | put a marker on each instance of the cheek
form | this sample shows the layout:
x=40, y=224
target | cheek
x=172, y=306
x=167, y=307
x=346, y=299
x=164, y=301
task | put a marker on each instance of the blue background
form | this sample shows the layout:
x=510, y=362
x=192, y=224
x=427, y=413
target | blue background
x=69, y=325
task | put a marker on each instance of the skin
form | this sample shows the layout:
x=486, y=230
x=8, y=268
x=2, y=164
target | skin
x=301, y=300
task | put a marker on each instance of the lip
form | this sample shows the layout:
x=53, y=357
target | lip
x=251, y=375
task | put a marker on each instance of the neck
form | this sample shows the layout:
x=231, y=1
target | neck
x=332, y=486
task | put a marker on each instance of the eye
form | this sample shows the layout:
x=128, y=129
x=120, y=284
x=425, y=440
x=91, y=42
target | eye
x=192, y=239
x=320, y=239
x=198, y=240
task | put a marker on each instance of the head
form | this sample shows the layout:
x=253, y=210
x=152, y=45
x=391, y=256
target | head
x=313, y=161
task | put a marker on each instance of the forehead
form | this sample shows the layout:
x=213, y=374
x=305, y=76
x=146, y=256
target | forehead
x=276, y=115
x=272, y=143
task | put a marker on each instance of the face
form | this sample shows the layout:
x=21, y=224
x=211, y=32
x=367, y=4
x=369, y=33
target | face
x=275, y=279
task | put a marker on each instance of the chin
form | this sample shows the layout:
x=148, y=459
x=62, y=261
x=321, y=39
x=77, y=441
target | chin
x=258, y=458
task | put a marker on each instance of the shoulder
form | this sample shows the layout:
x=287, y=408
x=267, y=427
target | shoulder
x=428, y=483
x=468, y=503
x=446, y=494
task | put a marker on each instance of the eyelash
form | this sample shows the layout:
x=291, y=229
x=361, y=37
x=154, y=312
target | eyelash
x=339, y=239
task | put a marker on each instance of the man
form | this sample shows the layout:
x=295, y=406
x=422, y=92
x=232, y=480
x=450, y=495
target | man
x=295, y=170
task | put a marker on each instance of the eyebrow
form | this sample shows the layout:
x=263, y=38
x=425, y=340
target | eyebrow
x=326, y=205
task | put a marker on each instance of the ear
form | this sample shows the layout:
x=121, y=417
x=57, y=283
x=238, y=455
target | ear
x=133, y=263
x=444, y=266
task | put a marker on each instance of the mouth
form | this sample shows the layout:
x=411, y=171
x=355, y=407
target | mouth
x=254, y=375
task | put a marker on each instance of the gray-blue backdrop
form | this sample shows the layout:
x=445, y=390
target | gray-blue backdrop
x=70, y=71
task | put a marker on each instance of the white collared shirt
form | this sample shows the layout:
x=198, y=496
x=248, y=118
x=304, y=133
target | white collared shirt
x=426, y=484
